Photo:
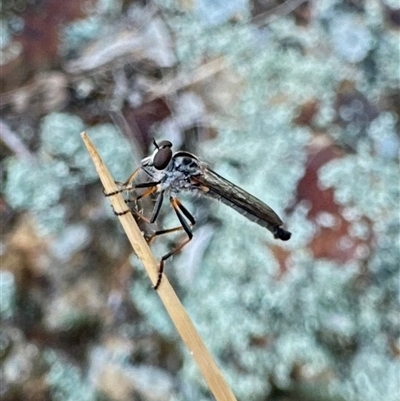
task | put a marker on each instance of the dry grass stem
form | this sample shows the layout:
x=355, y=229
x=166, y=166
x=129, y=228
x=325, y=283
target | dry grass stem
x=180, y=318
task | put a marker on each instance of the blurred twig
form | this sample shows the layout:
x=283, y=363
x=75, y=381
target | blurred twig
x=185, y=79
x=14, y=143
x=277, y=12
x=180, y=318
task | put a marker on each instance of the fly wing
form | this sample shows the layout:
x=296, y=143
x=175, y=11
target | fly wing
x=213, y=185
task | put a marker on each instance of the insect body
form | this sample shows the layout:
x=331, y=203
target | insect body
x=172, y=173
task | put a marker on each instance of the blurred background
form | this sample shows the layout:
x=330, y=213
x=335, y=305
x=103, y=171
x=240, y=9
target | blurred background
x=295, y=101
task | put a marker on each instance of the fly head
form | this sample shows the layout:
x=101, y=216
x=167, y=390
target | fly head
x=163, y=154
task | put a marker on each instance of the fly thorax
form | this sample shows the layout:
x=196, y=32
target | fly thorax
x=187, y=164
x=178, y=173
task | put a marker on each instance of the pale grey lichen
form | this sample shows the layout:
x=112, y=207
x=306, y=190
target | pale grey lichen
x=34, y=186
x=67, y=382
x=77, y=33
x=80, y=32
x=63, y=164
x=59, y=133
x=383, y=132
x=352, y=40
x=393, y=4
x=7, y=295
x=149, y=305
x=366, y=382
x=370, y=175
x=218, y=12
x=288, y=312
x=6, y=35
x=74, y=238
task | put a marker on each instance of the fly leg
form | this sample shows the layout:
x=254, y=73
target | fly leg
x=157, y=206
x=128, y=184
x=125, y=186
x=181, y=213
x=169, y=230
x=152, y=187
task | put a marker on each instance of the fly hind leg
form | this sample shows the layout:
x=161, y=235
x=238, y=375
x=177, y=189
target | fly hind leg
x=181, y=213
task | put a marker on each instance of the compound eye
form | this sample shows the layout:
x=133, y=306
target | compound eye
x=162, y=158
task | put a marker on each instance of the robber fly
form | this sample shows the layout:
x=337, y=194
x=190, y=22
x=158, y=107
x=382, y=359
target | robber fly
x=172, y=173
